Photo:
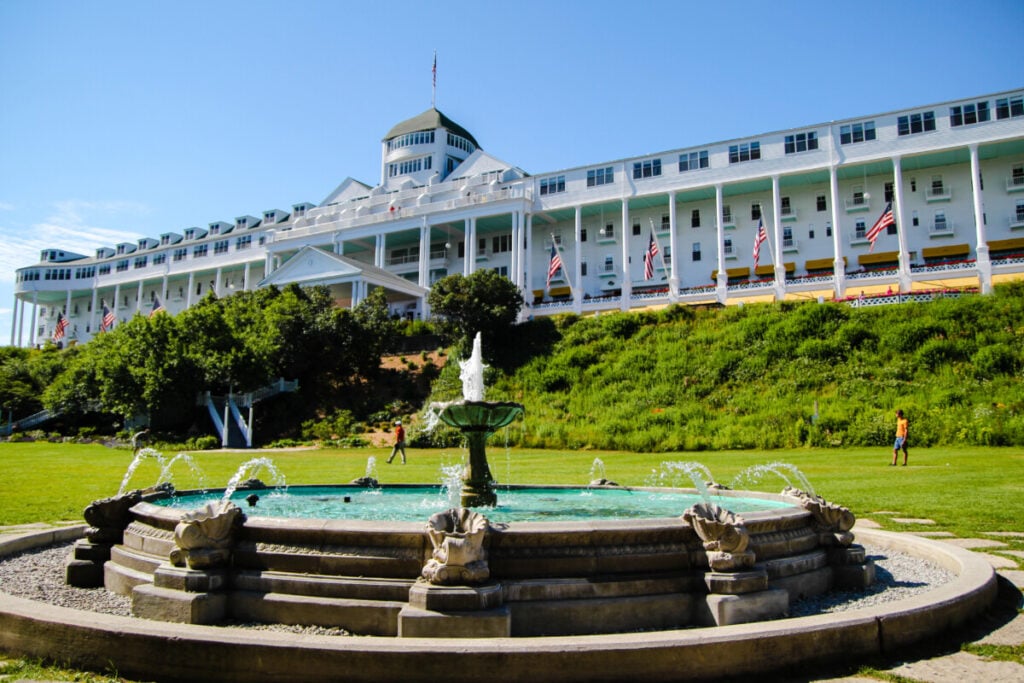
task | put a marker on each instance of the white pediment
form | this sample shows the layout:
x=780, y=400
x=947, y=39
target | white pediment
x=310, y=265
x=479, y=163
x=348, y=189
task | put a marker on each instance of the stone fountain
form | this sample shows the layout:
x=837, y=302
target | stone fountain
x=477, y=419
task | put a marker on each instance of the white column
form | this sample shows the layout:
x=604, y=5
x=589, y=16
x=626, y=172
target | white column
x=67, y=306
x=92, y=315
x=528, y=258
x=117, y=295
x=268, y=265
x=381, y=247
x=627, y=282
x=14, y=320
x=901, y=234
x=780, y=268
x=217, y=282
x=339, y=247
x=469, y=250
x=245, y=278
x=838, y=264
x=577, y=275
x=163, y=291
x=673, y=277
x=722, y=285
x=191, y=288
x=424, y=267
x=513, y=267
x=138, y=298
x=982, y=261
x=32, y=329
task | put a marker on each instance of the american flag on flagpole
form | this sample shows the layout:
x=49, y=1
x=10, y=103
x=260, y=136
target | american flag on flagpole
x=762, y=236
x=883, y=222
x=652, y=251
x=107, y=320
x=61, y=328
x=555, y=264
x=433, y=91
x=157, y=307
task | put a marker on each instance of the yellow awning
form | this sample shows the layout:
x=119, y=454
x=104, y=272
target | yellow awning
x=822, y=263
x=769, y=269
x=1006, y=245
x=942, y=252
x=880, y=257
x=732, y=273
x=560, y=291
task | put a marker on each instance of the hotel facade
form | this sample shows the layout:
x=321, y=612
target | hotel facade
x=678, y=226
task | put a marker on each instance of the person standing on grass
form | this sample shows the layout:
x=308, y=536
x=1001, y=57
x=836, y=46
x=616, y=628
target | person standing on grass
x=902, y=428
x=399, y=442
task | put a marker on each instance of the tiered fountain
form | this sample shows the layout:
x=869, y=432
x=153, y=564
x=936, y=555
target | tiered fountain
x=477, y=419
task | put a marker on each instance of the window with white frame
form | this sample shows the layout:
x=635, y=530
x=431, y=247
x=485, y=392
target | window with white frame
x=1020, y=211
x=821, y=203
x=966, y=114
x=1009, y=107
x=179, y=254
x=410, y=166
x=727, y=246
x=220, y=247
x=552, y=185
x=650, y=168
x=199, y=250
x=695, y=218
x=693, y=161
x=747, y=151
x=243, y=242
x=801, y=142
x=920, y=122
x=755, y=211
x=609, y=264
x=695, y=254
x=860, y=229
x=600, y=176
x=726, y=214
x=850, y=133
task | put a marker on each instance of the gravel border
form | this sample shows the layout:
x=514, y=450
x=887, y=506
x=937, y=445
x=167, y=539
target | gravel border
x=38, y=574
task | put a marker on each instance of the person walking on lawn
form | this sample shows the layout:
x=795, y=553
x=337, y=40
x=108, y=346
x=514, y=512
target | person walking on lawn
x=399, y=442
x=902, y=429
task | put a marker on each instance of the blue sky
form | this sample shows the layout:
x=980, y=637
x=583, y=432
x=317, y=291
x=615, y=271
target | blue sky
x=120, y=120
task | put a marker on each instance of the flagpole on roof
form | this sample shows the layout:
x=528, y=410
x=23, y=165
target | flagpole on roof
x=433, y=91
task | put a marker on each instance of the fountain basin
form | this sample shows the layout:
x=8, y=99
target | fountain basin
x=487, y=416
x=154, y=650
x=555, y=578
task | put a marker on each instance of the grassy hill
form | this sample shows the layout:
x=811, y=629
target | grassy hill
x=761, y=376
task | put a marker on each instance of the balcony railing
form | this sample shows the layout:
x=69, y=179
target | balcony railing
x=790, y=244
x=1017, y=219
x=857, y=203
x=938, y=193
x=941, y=228
x=1015, y=183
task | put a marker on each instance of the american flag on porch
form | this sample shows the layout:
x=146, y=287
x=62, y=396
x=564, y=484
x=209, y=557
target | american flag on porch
x=61, y=328
x=555, y=264
x=652, y=251
x=883, y=222
x=157, y=307
x=762, y=236
x=107, y=320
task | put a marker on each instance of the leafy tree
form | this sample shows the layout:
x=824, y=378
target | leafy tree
x=484, y=302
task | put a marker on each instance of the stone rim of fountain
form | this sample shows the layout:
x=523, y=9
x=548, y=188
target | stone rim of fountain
x=146, y=648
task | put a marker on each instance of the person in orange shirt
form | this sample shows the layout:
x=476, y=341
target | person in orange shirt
x=399, y=442
x=902, y=428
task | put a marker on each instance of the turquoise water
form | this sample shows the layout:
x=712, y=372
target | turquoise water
x=417, y=503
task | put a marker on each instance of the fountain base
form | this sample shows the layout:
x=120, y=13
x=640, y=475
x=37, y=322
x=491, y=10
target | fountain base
x=419, y=623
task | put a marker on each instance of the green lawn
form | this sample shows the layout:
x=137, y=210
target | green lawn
x=965, y=491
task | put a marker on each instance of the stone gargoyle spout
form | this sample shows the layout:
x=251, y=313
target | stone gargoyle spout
x=205, y=536
x=109, y=517
x=833, y=521
x=724, y=535
x=459, y=555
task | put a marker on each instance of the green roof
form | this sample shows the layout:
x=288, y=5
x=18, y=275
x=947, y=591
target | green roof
x=429, y=120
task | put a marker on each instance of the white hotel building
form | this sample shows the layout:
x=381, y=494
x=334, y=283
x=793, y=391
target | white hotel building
x=954, y=172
